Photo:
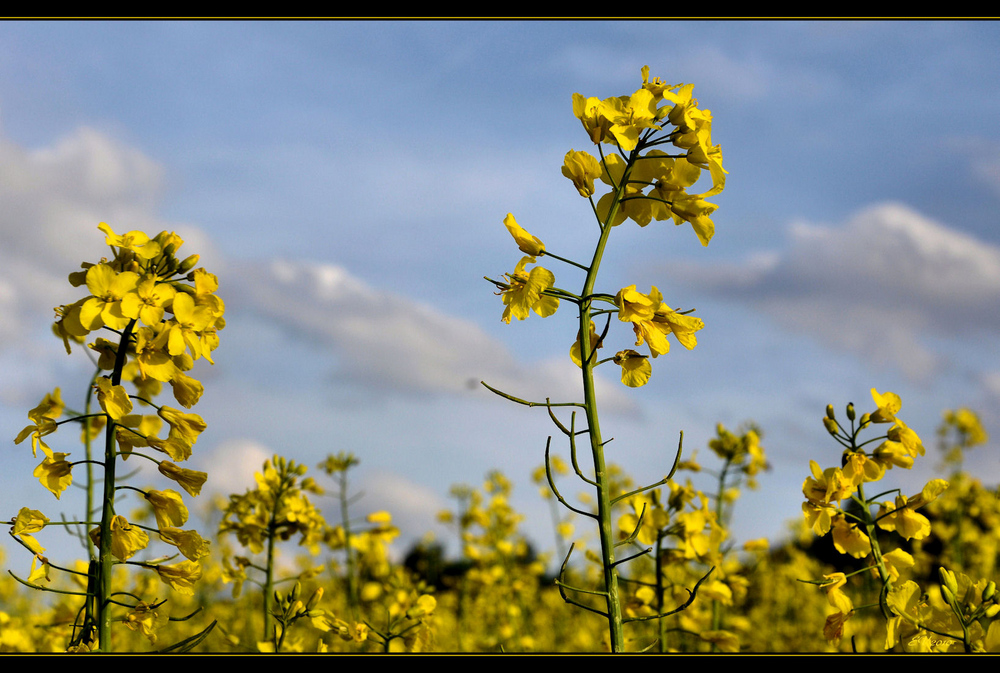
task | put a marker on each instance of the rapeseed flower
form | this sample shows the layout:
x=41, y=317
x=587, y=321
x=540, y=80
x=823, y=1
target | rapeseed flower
x=190, y=480
x=180, y=576
x=636, y=369
x=108, y=288
x=188, y=542
x=55, y=473
x=525, y=292
x=168, y=508
x=582, y=169
x=126, y=539
x=526, y=243
x=888, y=404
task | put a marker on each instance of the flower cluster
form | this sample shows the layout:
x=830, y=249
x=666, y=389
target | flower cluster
x=645, y=184
x=854, y=529
x=161, y=314
x=657, y=186
x=277, y=507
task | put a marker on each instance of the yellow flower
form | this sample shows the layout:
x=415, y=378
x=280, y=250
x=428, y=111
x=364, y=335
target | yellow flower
x=168, y=508
x=184, y=428
x=902, y=519
x=151, y=355
x=126, y=539
x=50, y=407
x=187, y=391
x=888, y=404
x=896, y=561
x=146, y=619
x=848, y=538
x=833, y=629
x=928, y=493
x=827, y=487
x=180, y=576
x=108, y=289
x=634, y=306
x=595, y=343
x=424, y=606
x=45, y=426
x=39, y=573
x=652, y=320
x=113, y=399
x=891, y=453
x=188, y=542
x=28, y=521
x=629, y=116
x=136, y=241
x=190, y=320
x=55, y=473
x=859, y=468
x=525, y=292
x=526, y=243
x=190, y=480
x=148, y=300
x=835, y=594
x=695, y=210
x=636, y=369
x=819, y=516
x=590, y=114
x=726, y=641
x=910, y=440
x=582, y=169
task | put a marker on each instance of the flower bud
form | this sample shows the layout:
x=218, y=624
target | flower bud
x=948, y=594
x=948, y=581
x=992, y=611
x=831, y=425
x=990, y=591
x=850, y=411
x=866, y=420
x=314, y=599
x=829, y=412
x=188, y=264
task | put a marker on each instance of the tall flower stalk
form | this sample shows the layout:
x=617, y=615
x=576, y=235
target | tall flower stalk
x=645, y=184
x=163, y=315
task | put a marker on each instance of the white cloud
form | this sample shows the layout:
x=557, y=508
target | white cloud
x=232, y=464
x=875, y=286
x=53, y=199
x=388, y=342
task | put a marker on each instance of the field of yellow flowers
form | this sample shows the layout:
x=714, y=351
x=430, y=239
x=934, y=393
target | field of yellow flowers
x=867, y=568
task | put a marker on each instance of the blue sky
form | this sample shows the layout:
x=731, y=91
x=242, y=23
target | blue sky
x=347, y=182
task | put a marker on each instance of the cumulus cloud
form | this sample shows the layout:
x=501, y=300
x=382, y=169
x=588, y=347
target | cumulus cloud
x=875, y=286
x=54, y=197
x=391, y=343
x=232, y=464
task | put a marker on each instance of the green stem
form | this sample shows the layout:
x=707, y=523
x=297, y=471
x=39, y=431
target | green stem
x=272, y=534
x=105, y=561
x=614, y=608
x=883, y=572
x=352, y=580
